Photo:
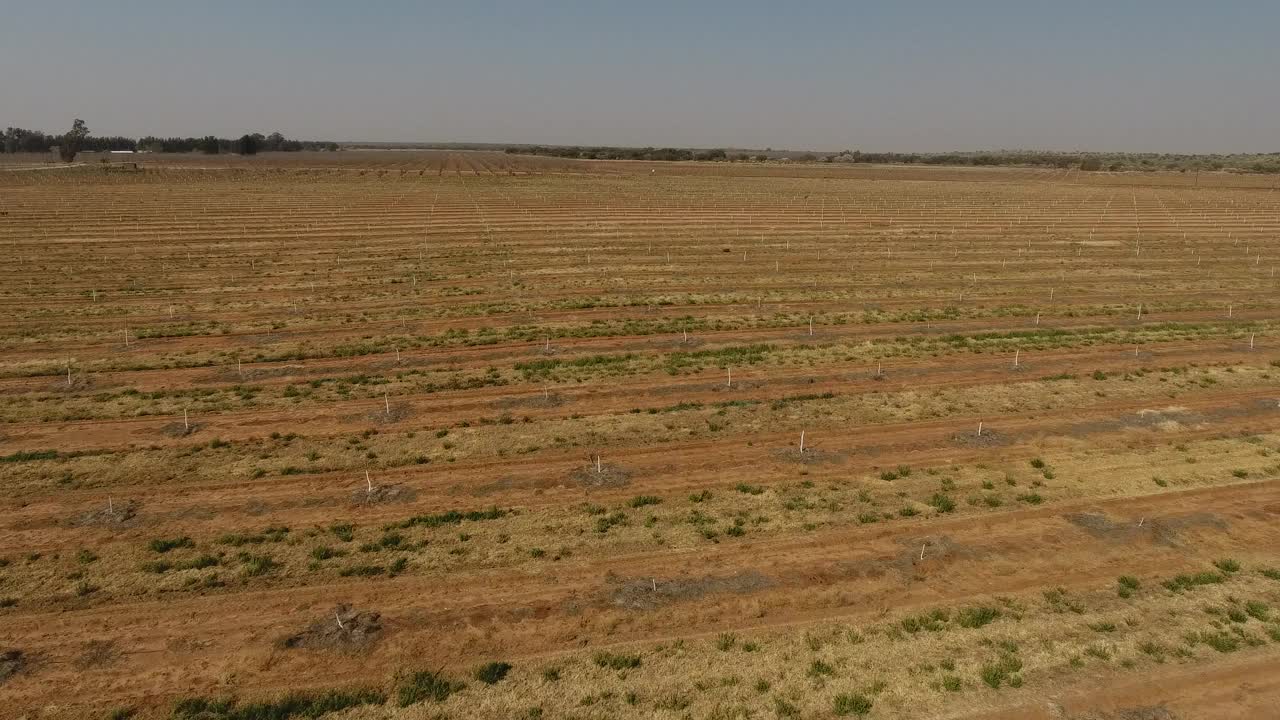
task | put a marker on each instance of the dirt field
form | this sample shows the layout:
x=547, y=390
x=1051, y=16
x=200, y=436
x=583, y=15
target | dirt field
x=470, y=435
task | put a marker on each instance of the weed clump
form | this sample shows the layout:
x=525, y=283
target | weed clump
x=492, y=673
x=425, y=685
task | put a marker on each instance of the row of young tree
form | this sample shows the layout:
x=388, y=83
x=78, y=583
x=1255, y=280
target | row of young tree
x=78, y=139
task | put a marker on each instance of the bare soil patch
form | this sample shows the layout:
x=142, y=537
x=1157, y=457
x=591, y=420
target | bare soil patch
x=988, y=438
x=343, y=630
x=114, y=514
x=1165, y=531
x=97, y=654
x=179, y=429
x=810, y=456
x=606, y=476
x=380, y=494
x=650, y=593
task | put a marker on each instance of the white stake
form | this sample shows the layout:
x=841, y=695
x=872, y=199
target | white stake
x=1016, y=353
x=186, y=425
x=1037, y=319
x=730, y=383
x=368, y=482
x=598, y=468
x=386, y=398
x=979, y=428
x=922, y=551
x=810, y=326
x=1251, y=335
x=339, y=619
x=802, y=441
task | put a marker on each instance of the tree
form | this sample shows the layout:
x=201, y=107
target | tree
x=248, y=144
x=1091, y=164
x=208, y=145
x=72, y=141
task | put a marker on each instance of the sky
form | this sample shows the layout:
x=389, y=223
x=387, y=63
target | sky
x=901, y=75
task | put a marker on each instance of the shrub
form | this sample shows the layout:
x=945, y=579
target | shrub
x=492, y=673
x=642, y=500
x=819, y=668
x=1227, y=565
x=293, y=705
x=997, y=673
x=616, y=661
x=1257, y=610
x=324, y=552
x=1186, y=581
x=425, y=685
x=852, y=704
x=943, y=503
x=255, y=565
x=164, y=545
x=976, y=617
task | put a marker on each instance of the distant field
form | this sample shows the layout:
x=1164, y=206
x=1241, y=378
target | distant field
x=670, y=439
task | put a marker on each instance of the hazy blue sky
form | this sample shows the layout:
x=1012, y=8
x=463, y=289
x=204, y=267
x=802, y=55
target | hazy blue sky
x=1161, y=75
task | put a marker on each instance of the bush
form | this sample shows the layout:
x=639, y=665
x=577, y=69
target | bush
x=1227, y=565
x=293, y=705
x=853, y=704
x=422, y=686
x=976, y=617
x=943, y=503
x=1185, y=581
x=255, y=565
x=493, y=673
x=997, y=673
x=164, y=545
x=616, y=662
x=425, y=686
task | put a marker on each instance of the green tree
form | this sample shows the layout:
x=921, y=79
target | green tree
x=248, y=144
x=72, y=141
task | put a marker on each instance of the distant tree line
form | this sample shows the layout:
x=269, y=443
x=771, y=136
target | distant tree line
x=1115, y=162
x=21, y=140
x=618, y=153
